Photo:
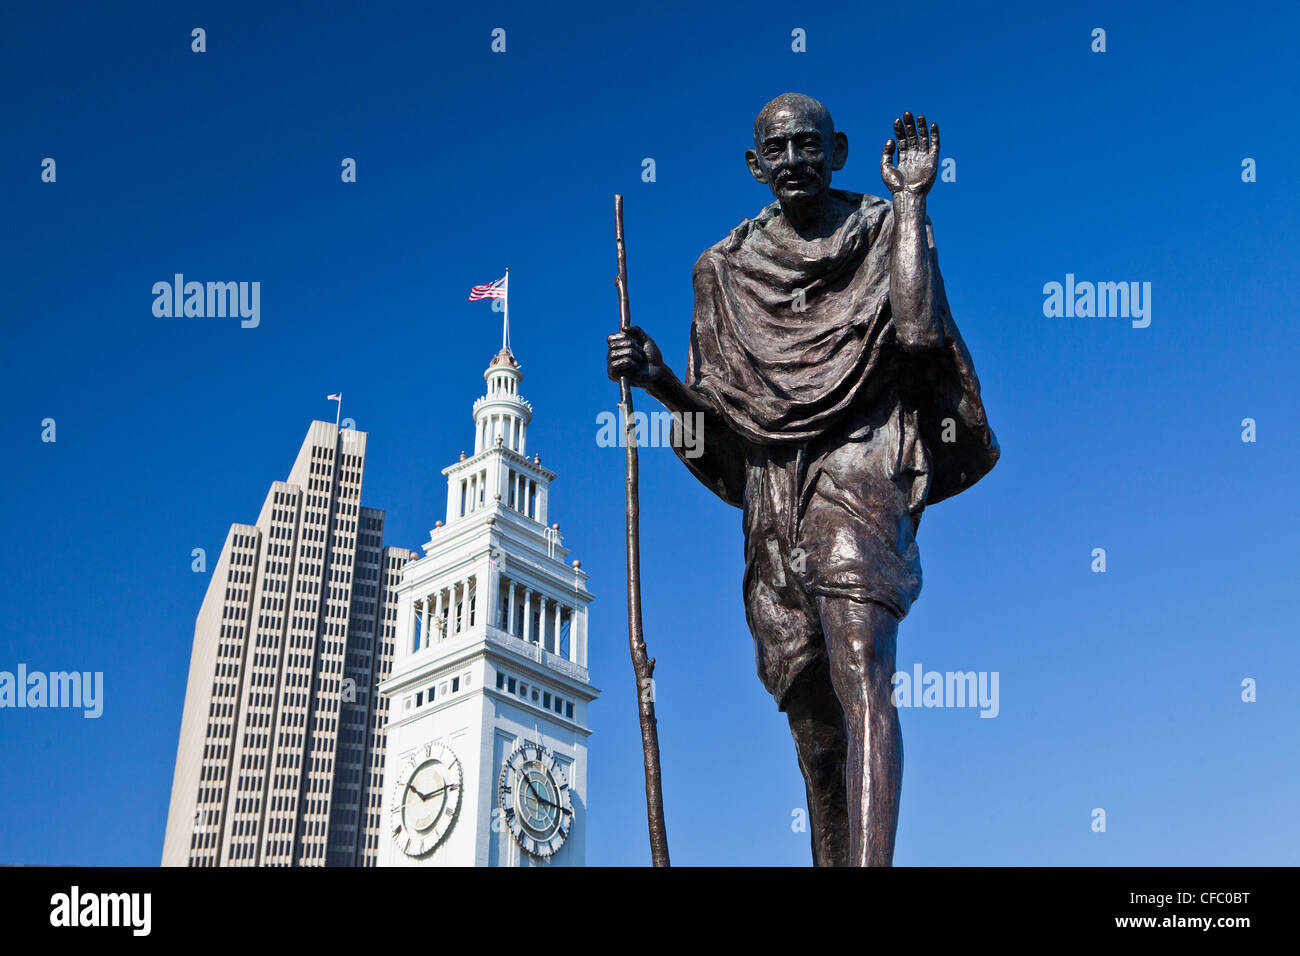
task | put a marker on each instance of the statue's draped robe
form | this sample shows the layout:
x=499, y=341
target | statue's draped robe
x=829, y=434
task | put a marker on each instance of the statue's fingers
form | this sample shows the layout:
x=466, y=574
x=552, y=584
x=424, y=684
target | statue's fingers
x=632, y=355
x=922, y=133
x=622, y=366
x=909, y=124
x=934, y=138
x=887, y=155
x=900, y=133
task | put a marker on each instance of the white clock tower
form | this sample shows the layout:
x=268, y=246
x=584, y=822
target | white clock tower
x=486, y=756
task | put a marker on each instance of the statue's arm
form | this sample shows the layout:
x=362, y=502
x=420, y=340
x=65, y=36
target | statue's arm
x=635, y=356
x=913, y=298
x=701, y=439
x=913, y=301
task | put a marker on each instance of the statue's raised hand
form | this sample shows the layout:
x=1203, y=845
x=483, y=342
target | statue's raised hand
x=918, y=156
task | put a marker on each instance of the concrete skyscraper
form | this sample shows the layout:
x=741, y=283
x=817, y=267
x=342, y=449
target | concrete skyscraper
x=281, y=753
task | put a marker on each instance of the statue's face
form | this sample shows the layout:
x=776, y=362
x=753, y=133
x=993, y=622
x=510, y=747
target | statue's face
x=795, y=156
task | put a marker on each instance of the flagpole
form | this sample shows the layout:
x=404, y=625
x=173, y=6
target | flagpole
x=505, y=329
x=338, y=411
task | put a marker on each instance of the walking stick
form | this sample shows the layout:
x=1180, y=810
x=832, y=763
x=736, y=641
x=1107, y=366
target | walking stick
x=644, y=667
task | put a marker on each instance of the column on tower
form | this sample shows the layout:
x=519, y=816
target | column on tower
x=510, y=609
x=472, y=594
x=575, y=619
x=543, y=635
x=527, y=634
x=559, y=610
x=496, y=477
x=409, y=611
x=487, y=608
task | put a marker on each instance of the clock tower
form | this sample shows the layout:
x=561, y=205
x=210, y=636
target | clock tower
x=486, y=752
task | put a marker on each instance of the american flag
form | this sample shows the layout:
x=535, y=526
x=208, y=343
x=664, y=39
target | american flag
x=334, y=398
x=493, y=290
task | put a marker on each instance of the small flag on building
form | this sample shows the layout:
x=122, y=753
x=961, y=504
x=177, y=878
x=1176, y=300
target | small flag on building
x=334, y=398
x=338, y=412
x=493, y=290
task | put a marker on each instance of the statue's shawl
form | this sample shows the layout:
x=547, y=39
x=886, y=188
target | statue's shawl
x=784, y=346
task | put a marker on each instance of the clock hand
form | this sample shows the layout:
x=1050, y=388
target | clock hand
x=533, y=789
x=539, y=796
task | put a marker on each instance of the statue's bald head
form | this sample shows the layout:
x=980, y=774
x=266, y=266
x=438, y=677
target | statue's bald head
x=797, y=105
x=796, y=148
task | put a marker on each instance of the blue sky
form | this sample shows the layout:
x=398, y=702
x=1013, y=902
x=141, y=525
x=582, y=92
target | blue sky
x=1119, y=690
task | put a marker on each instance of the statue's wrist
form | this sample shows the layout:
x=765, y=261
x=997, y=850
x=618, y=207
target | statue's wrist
x=909, y=203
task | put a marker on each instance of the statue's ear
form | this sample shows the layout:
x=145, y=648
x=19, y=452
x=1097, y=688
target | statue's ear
x=839, y=151
x=755, y=168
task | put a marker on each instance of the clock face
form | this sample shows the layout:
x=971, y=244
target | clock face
x=534, y=796
x=425, y=799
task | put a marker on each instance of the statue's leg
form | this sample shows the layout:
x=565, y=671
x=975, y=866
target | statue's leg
x=860, y=641
x=817, y=725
